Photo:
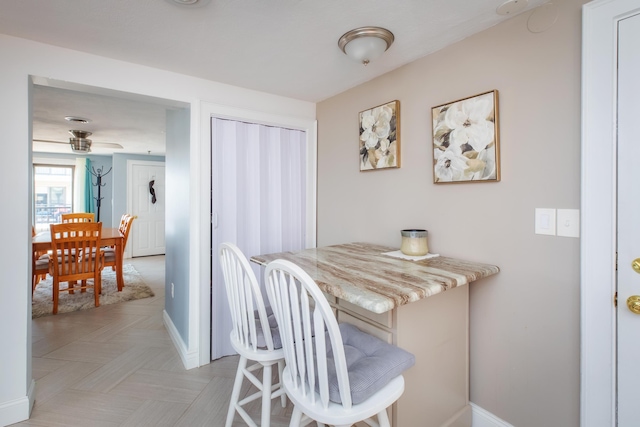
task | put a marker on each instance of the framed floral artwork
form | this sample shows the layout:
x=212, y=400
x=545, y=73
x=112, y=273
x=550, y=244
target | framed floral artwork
x=380, y=137
x=465, y=140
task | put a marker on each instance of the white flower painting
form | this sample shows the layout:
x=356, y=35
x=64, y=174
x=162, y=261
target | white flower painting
x=465, y=140
x=379, y=137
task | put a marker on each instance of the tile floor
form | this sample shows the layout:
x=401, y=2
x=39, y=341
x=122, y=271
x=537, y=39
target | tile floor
x=115, y=365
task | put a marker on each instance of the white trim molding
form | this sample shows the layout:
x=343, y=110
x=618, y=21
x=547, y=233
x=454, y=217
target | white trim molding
x=53, y=161
x=483, y=418
x=190, y=359
x=17, y=410
x=598, y=210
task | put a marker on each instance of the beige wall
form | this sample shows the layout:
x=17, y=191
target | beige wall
x=525, y=320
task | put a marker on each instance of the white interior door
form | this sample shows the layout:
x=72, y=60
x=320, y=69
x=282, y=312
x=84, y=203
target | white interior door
x=628, y=217
x=146, y=180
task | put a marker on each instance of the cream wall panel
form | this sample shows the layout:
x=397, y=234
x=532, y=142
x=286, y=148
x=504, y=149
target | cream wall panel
x=524, y=322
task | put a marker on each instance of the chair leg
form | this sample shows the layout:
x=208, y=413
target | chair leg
x=283, y=397
x=37, y=278
x=383, y=419
x=56, y=295
x=296, y=417
x=96, y=288
x=242, y=364
x=266, y=395
x=98, y=284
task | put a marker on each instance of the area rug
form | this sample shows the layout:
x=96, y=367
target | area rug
x=134, y=288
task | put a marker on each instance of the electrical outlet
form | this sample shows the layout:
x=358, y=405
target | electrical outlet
x=171, y=289
x=568, y=222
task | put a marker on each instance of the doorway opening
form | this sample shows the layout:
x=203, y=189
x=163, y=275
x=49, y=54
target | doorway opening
x=58, y=100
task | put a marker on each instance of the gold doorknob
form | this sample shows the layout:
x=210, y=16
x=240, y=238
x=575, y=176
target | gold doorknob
x=633, y=302
x=635, y=264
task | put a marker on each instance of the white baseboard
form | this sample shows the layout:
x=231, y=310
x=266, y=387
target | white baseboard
x=483, y=418
x=190, y=359
x=17, y=410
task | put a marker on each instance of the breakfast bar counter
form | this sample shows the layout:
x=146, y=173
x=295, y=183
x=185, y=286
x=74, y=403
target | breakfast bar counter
x=421, y=306
x=361, y=274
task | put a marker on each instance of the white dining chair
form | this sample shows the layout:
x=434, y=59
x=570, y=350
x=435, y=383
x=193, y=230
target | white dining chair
x=339, y=377
x=254, y=336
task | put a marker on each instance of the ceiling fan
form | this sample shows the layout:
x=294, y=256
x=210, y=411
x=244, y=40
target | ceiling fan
x=80, y=143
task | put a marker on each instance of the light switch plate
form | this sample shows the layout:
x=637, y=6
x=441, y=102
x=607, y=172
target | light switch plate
x=545, y=221
x=568, y=222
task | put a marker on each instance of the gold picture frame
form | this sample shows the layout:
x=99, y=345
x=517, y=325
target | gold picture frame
x=466, y=143
x=380, y=137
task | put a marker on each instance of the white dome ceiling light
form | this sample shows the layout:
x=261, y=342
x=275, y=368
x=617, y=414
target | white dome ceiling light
x=366, y=43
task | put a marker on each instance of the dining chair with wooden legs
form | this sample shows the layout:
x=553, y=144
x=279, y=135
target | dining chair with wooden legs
x=39, y=268
x=39, y=265
x=78, y=217
x=83, y=239
x=110, y=252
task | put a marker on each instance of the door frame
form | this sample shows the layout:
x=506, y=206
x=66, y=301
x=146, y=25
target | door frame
x=201, y=245
x=598, y=205
x=130, y=164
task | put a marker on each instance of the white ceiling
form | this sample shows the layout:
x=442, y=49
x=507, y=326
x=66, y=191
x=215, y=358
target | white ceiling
x=283, y=47
x=134, y=121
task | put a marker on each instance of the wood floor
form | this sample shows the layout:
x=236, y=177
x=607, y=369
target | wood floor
x=115, y=365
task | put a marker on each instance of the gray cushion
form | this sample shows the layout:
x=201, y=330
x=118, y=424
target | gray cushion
x=273, y=326
x=371, y=363
x=42, y=263
x=109, y=255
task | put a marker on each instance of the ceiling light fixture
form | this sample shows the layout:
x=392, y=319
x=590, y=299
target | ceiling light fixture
x=366, y=43
x=79, y=143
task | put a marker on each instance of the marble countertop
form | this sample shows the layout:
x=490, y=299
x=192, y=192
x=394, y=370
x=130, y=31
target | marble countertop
x=360, y=274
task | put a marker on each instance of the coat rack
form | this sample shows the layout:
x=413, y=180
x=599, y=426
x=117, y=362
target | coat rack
x=98, y=174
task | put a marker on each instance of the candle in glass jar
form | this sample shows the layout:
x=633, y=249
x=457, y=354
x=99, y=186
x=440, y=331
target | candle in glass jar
x=414, y=242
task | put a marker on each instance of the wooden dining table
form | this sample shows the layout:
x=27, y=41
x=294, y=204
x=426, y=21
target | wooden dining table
x=110, y=237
